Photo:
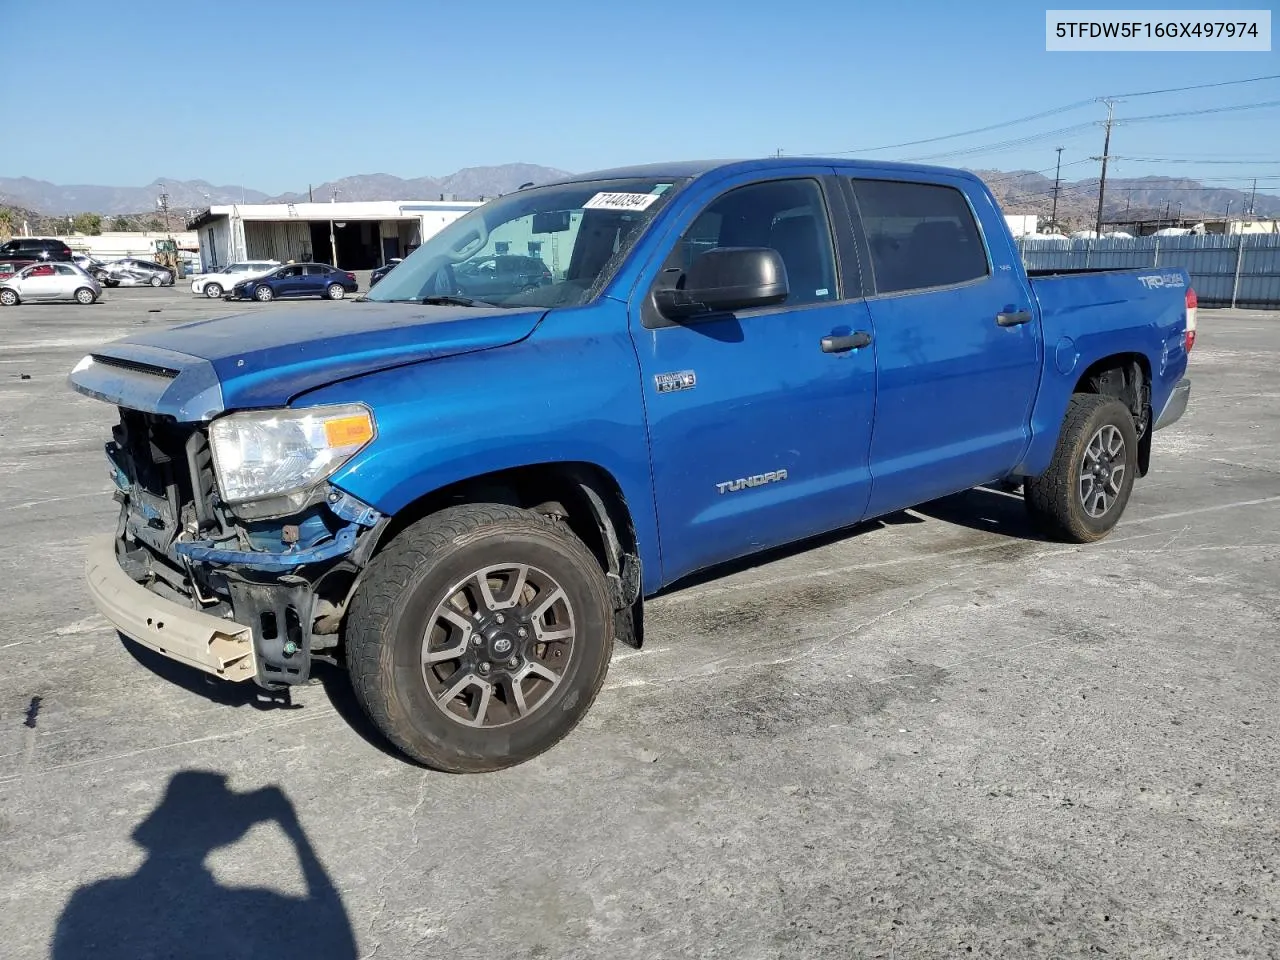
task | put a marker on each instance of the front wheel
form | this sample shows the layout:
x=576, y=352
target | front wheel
x=213, y=291
x=85, y=295
x=157, y=281
x=479, y=637
x=1083, y=493
x=335, y=291
x=8, y=298
x=264, y=294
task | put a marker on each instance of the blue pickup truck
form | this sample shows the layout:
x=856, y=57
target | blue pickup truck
x=466, y=501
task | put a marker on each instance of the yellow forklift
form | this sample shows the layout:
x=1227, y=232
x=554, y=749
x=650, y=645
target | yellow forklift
x=167, y=256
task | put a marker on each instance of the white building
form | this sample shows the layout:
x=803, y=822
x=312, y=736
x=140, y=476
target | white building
x=1021, y=224
x=367, y=233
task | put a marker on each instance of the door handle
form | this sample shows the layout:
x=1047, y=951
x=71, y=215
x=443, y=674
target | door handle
x=1013, y=319
x=842, y=344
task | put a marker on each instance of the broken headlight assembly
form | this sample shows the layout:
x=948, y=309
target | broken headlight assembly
x=273, y=453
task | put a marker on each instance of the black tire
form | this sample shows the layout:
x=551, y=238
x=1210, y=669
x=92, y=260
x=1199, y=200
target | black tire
x=403, y=591
x=86, y=296
x=1057, y=498
x=9, y=298
x=213, y=290
x=264, y=294
x=335, y=291
x=156, y=281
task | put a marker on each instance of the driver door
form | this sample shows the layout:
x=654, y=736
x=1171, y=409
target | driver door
x=39, y=282
x=759, y=435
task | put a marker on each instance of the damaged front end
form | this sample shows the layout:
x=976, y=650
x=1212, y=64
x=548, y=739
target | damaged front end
x=284, y=566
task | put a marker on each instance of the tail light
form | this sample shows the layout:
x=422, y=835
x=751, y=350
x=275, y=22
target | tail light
x=351, y=277
x=1191, y=319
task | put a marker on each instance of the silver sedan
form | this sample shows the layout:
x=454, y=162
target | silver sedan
x=49, y=281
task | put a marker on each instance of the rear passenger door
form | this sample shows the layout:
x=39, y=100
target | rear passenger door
x=314, y=279
x=957, y=340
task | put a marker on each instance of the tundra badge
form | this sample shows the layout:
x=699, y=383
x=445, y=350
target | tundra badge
x=731, y=486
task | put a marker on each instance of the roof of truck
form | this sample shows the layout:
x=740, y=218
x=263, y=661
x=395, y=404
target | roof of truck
x=680, y=169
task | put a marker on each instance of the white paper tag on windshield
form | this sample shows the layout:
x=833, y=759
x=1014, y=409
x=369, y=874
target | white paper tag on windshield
x=620, y=201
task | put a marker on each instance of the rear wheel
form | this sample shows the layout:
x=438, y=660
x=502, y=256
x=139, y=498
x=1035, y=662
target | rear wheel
x=335, y=291
x=213, y=290
x=9, y=298
x=1082, y=495
x=264, y=294
x=85, y=295
x=479, y=637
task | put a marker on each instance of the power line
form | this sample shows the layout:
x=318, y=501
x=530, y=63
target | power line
x=1197, y=86
x=1200, y=113
x=1263, y=163
x=964, y=133
x=990, y=147
x=1064, y=108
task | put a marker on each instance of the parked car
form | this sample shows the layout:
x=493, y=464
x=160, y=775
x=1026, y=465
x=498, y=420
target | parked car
x=9, y=267
x=467, y=502
x=132, y=272
x=297, y=280
x=36, y=248
x=216, y=283
x=86, y=263
x=383, y=270
x=49, y=281
x=498, y=277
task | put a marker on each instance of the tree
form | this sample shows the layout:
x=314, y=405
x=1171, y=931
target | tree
x=88, y=223
x=6, y=224
x=122, y=224
x=154, y=224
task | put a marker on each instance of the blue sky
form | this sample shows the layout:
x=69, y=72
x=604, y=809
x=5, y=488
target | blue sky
x=277, y=95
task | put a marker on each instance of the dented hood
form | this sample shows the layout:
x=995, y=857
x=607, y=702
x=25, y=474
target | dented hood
x=266, y=357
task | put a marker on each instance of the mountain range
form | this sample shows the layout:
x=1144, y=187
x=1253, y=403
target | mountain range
x=1020, y=191
x=471, y=183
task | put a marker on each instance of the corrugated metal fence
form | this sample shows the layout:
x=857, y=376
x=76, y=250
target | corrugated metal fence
x=1241, y=270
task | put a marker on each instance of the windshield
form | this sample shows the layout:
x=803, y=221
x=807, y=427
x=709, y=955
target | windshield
x=542, y=247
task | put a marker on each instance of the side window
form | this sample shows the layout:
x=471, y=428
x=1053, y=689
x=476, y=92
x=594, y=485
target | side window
x=921, y=235
x=65, y=270
x=316, y=271
x=787, y=215
x=290, y=272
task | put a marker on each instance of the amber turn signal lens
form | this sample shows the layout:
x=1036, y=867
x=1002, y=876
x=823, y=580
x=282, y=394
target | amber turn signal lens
x=348, y=431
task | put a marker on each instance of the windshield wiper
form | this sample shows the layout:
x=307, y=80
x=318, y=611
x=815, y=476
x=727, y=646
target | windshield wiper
x=454, y=301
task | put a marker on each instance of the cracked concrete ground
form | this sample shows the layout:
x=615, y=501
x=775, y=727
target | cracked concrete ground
x=935, y=737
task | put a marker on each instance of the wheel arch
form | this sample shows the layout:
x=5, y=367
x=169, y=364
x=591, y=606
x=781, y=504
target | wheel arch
x=584, y=496
x=1127, y=377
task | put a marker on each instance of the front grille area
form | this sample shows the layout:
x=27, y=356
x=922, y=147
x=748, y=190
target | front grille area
x=170, y=468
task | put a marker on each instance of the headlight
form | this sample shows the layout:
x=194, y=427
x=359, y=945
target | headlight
x=274, y=452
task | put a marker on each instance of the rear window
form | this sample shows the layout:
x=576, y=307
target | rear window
x=921, y=235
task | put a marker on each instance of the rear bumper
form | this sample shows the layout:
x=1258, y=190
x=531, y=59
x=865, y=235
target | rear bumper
x=1177, y=405
x=219, y=647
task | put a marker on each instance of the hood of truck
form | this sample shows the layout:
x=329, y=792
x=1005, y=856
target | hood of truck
x=267, y=357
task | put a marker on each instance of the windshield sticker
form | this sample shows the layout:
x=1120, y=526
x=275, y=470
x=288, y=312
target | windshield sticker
x=620, y=201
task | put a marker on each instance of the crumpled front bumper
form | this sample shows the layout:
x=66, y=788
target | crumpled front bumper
x=219, y=647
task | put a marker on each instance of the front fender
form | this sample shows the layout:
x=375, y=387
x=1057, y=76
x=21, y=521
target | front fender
x=570, y=392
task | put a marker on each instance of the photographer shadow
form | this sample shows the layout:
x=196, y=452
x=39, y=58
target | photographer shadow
x=173, y=906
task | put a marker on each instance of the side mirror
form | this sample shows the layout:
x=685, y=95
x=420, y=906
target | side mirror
x=725, y=279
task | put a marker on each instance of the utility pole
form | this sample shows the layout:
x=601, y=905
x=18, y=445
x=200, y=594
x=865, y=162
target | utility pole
x=1128, y=197
x=163, y=204
x=1226, y=219
x=1106, y=155
x=1057, y=182
x=779, y=151
x=1253, y=196
x=333, y=243
x=1167, y=205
